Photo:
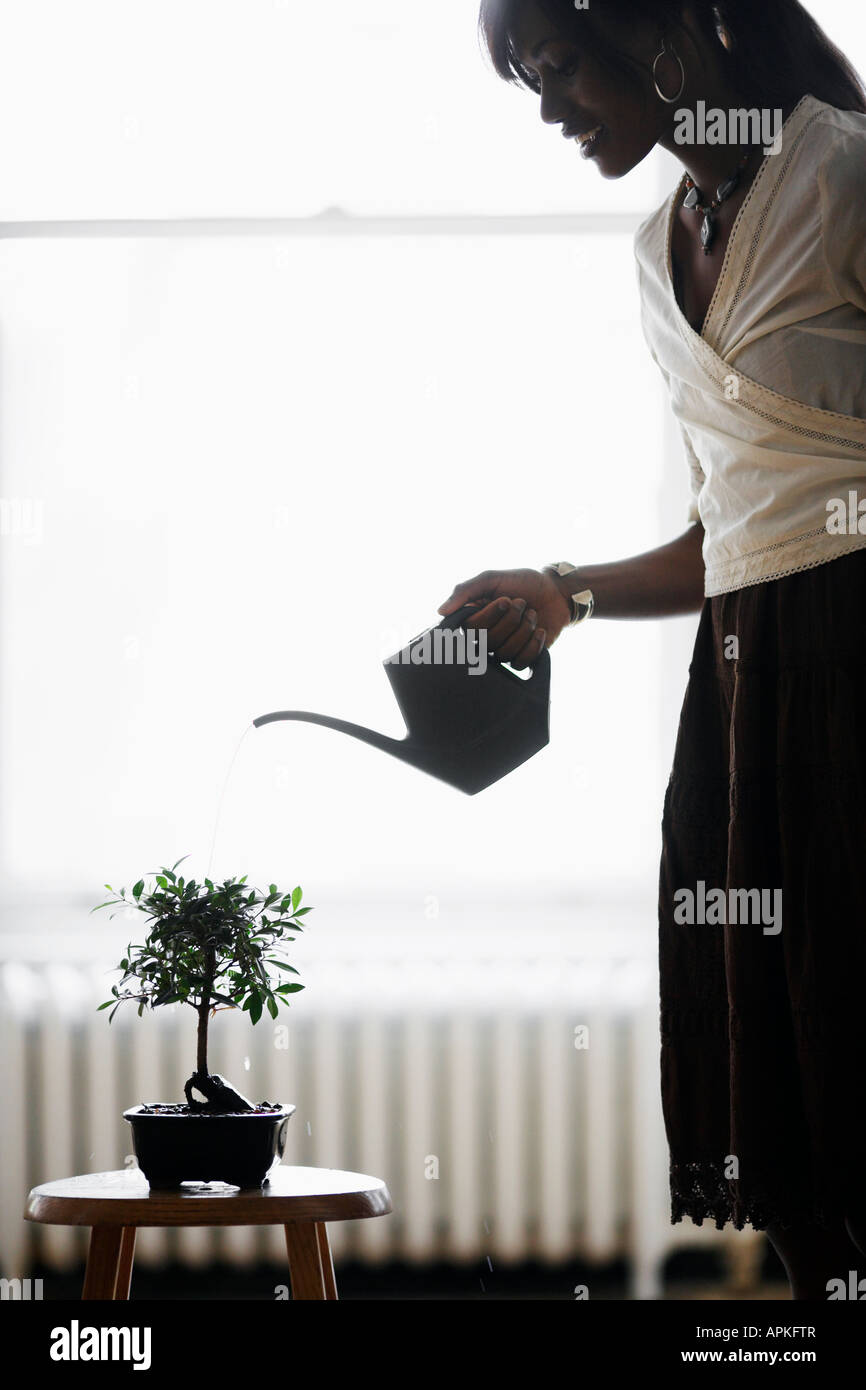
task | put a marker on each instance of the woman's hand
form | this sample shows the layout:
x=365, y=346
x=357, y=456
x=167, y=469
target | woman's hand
x=523, y=611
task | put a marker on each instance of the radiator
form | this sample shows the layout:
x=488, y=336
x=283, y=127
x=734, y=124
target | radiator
x=512, y=1106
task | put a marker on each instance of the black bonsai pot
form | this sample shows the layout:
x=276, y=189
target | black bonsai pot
x=174, y=1144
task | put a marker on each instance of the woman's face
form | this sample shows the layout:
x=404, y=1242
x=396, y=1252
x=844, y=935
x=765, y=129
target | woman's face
x=583, y=96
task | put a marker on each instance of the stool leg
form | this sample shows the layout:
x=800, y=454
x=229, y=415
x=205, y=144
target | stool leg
x=100, y=1276
x=305, y=1261
x=327, y=1262
x=124, y=1263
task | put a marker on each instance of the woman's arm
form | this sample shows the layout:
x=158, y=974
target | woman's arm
x=660, y=583
x=525, y=610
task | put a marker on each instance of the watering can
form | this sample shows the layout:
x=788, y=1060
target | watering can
x=469, y=719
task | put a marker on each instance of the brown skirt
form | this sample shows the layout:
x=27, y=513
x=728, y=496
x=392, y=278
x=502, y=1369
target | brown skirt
x=763, y=1026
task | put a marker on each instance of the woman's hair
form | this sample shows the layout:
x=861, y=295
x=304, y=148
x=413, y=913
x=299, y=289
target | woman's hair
x=774, y=51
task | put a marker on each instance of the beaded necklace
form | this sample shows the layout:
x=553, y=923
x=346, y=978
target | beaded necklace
x=694, y=201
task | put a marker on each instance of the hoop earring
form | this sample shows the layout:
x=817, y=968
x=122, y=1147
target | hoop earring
x=721, y=28
x=676, y=56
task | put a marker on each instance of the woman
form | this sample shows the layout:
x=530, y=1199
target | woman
x=753, y=292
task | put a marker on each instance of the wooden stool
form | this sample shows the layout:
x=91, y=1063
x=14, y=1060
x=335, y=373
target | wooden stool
x=301, y=1199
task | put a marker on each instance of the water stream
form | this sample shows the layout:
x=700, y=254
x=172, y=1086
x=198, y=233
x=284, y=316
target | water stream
x=222, y=797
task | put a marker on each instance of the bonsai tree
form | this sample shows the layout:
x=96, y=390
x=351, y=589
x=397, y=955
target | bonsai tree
x=211, y=946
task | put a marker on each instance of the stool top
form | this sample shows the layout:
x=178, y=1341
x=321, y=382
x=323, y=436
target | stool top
x=124, y=1198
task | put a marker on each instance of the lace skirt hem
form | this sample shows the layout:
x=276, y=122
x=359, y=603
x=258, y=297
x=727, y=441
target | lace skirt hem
x=700, y=1193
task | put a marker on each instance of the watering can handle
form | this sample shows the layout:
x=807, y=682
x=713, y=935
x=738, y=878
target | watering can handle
x=538, y=668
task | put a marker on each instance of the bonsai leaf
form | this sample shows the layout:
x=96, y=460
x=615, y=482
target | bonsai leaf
x=207, y=944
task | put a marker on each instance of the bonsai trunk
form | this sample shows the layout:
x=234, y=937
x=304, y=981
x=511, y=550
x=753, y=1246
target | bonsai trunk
x=201, y=1037
x=221, y=1097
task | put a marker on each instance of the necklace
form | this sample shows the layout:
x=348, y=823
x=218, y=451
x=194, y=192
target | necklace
x=695, y=202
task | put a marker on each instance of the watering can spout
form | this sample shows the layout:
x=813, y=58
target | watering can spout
x=397, y=747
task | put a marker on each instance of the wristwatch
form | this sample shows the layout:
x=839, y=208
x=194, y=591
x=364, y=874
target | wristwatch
x=583, y=603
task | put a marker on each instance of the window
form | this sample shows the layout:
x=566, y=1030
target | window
x=306, y=316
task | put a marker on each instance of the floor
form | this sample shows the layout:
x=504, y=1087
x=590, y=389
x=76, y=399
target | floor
x=690, y=1276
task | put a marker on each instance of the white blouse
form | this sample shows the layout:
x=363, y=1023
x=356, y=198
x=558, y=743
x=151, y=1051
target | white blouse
x=771, y=395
